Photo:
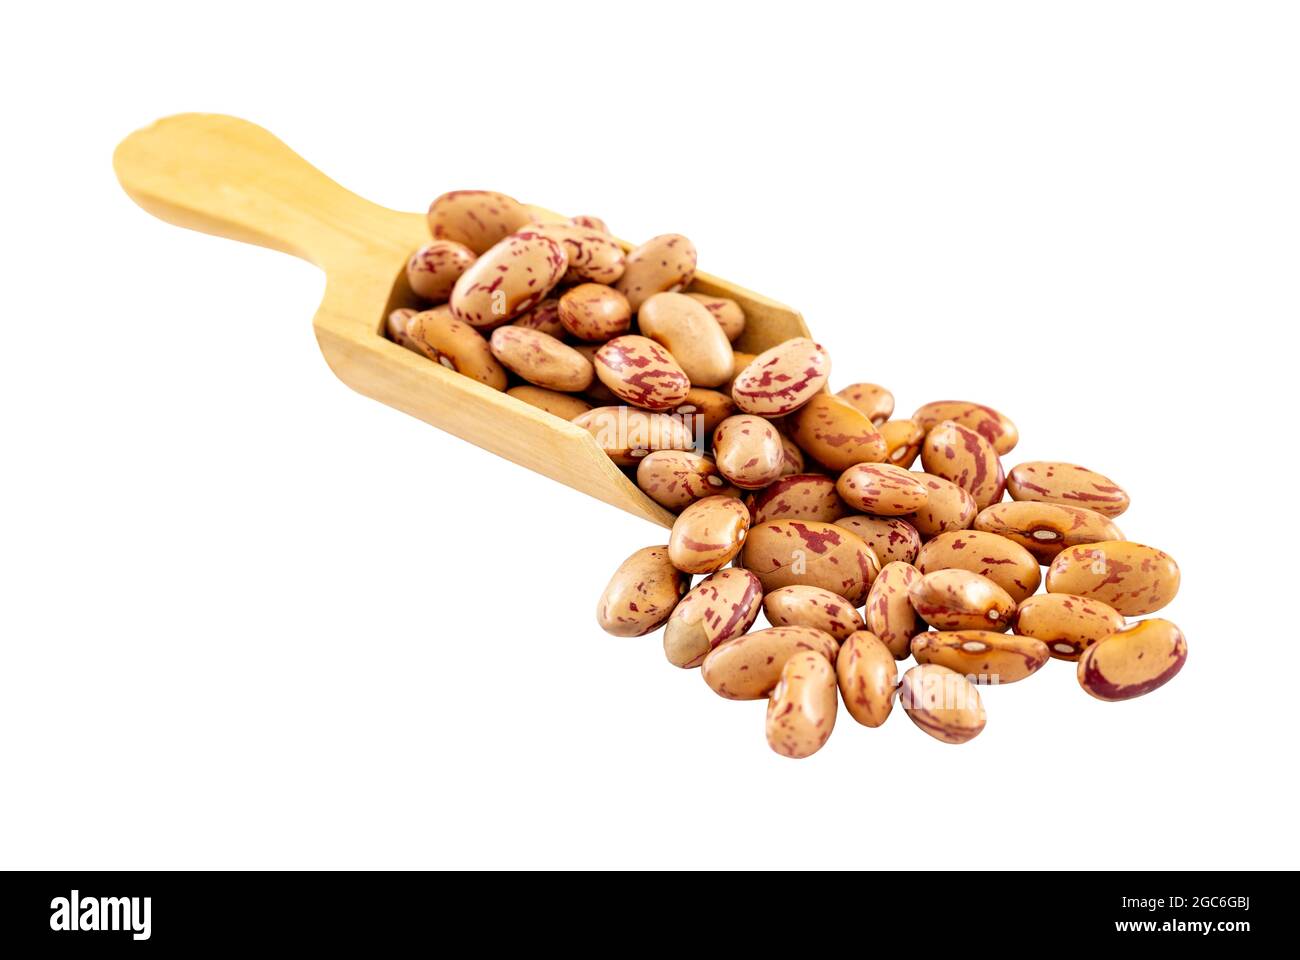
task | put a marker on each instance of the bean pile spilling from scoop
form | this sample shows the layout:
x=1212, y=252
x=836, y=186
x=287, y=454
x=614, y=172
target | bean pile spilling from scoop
x=792, y=500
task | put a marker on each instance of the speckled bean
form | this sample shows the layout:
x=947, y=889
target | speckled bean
x=592, y=254
x=675, y=479
x=867, y=678
x=627, y=434
x=784, y=552
x=961, y=600
x=728, y=313
x=987, y=422
x=563, y=405
x=1051, y=482
x=1132, y=578
x=961, y=455
x=511, y=278
x=1133, y=661
x=801, y=711
x=540, y=359
x=708, y=534
x=903, y=439
x=889, y=611
x=749, y=666
x=942, y=702
x=748, y=451
x=871, y=399
x=804, y=496
x=642, y=593
x=803, y=606
x=594, y=312
x=590, y=222
x=1045, y=529
x=835, y=433
x=891, y=538
x=455, y=345
x=1068, y=624
x=882, y=489
x=641, y=372
x=686, y=328
x=1005, y=562
x=982, y=656
x=544, y=318
x=782, y=378
x=479, y=219
x=948, y=507
x=721, y=607
x=662, y=264
x=434, y=269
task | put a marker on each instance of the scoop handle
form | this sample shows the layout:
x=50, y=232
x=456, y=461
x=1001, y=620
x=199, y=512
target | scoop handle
x=226, y=176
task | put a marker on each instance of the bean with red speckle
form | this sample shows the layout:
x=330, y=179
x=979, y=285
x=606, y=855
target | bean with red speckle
x=1068, y=624
x=641, y=372
x=947, y=507
x=882, y=489
x=749, y=666
x=987, y=422
x=628, y=434
x=803, y=606
x=479, y=219
x=785, y=552
x=835, y=433
x=593, y=256
x=801, y=711
x=805, y=496
x=540, y=359
x=1045, y=529
x=455, y=345
x=675, y=479
x=1068, y=483
x=642, y=593
x=982, y=656
x=961, y=455
x=708, y=534
x=594, y=312
x=748, y=451
x=1133, y=661
x=889, y=611
x=961, y=600
x=782, y=379
x=1133, y=578
x=722, y=606
x=507, y=280
x=868, y=678
x=662, y=264
x=942, y=703
x=434, y=269
x=1005, y=562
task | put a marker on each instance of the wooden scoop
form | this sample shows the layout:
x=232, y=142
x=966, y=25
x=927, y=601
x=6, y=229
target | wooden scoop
x=227, y=176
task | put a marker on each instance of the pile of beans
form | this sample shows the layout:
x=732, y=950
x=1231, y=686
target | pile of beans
x=791, y=499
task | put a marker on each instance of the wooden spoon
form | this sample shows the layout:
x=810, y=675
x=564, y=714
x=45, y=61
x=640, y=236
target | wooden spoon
x=226, y=176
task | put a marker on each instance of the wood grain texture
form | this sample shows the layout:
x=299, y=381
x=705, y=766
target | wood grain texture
x=229, y=177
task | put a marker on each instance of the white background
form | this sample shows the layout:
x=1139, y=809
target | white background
x=253, y=619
